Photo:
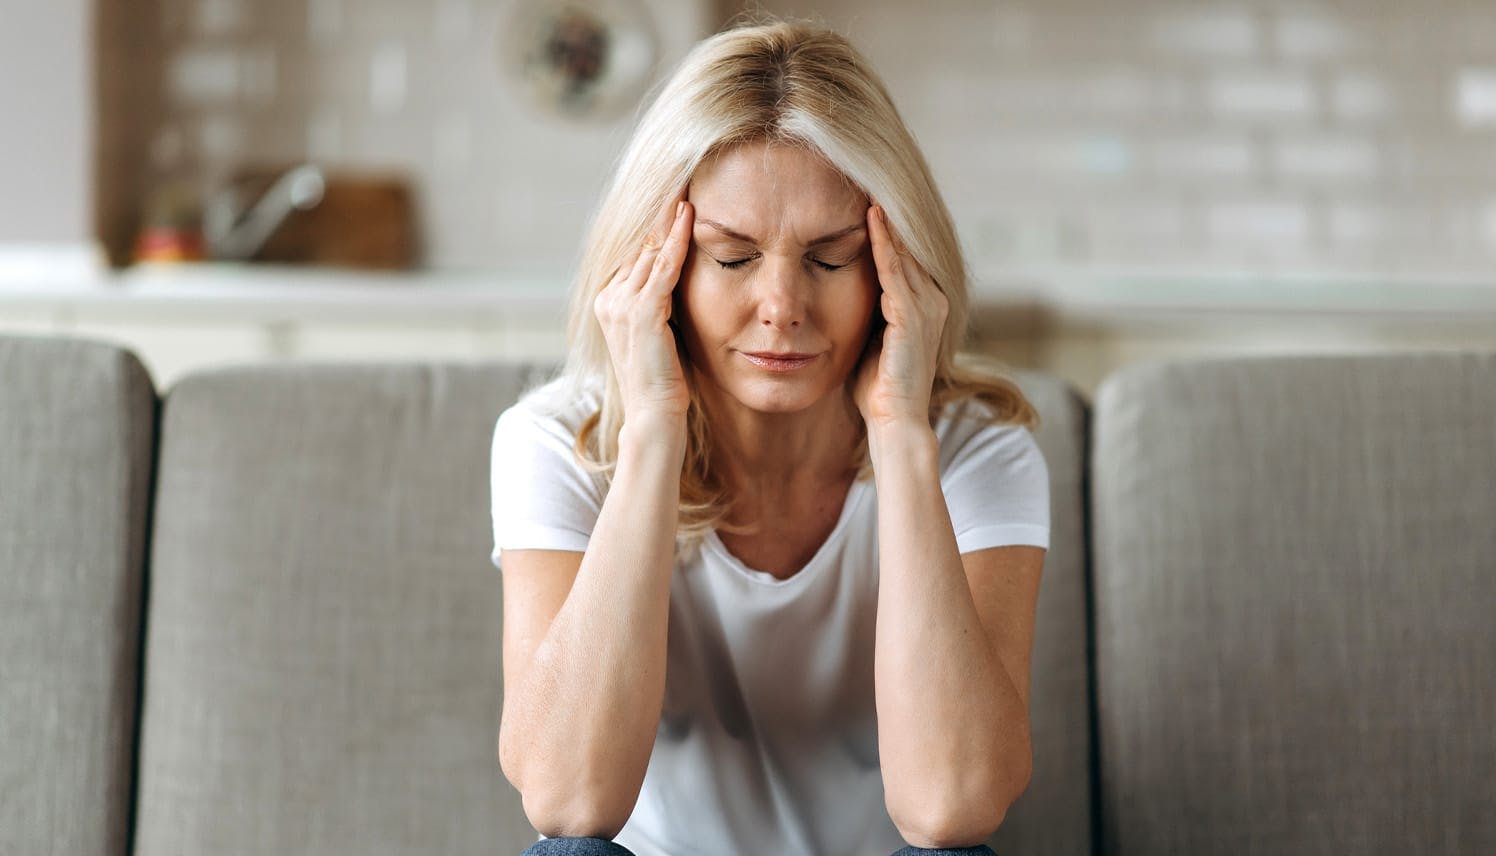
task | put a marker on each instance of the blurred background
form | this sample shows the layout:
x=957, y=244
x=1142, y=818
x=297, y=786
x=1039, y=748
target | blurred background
x=216, y=181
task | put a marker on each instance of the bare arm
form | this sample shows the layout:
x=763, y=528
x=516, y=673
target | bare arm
x=577, y=739
x=952, y=725
x=578, y=730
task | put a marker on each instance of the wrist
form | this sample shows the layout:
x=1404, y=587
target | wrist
x=653, y=431
x=900, y=438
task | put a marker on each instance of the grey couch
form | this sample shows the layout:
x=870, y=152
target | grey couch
x=253, y=613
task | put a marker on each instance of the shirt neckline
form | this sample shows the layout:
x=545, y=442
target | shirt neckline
x=764, y=578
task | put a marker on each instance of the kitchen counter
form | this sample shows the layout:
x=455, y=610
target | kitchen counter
x=1079, y=322
x=1065, y=293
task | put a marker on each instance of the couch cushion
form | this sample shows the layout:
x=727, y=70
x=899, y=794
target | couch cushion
x=1295, y=572
x=77, y=434
x=322, y=666
x=1054, y=815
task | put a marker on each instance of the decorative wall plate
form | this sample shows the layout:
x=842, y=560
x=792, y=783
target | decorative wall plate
x=589, y=59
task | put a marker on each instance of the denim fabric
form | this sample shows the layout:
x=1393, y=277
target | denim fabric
x=564, y=846
x=603, y=847
x=979, y=850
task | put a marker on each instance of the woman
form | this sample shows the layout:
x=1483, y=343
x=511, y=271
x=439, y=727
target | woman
x=761, y=443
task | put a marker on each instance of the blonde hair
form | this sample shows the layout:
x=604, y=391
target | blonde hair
x=778, y=81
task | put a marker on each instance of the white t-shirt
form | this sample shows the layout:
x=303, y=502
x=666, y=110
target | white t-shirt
x=768, y=738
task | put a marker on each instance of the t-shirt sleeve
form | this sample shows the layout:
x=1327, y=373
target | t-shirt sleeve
x=996, y=487
x=542, y=499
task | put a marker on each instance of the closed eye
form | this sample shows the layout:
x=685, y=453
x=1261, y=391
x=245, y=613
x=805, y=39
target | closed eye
x=740, y=262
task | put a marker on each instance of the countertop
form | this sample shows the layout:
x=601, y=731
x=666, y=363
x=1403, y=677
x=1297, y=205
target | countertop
x=1068, y=293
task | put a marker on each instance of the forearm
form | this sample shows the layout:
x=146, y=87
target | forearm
x=590, y=705
x=952, y=729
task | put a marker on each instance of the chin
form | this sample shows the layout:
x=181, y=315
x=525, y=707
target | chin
x=779, y=394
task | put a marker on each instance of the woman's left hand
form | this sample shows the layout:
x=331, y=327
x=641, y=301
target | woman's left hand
x=894, y=380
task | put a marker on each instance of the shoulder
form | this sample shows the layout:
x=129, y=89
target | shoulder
x=548, y=414
x=967, y=432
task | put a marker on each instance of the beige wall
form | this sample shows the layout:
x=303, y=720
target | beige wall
x=46, y=99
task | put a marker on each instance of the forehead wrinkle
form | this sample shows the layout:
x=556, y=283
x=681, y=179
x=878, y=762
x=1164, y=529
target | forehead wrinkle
x=755, y=184
x=824, y=239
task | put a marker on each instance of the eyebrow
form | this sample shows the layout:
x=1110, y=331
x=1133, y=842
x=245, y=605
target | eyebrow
x=824, y=239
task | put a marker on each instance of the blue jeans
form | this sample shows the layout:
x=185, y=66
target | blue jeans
x=604, y=847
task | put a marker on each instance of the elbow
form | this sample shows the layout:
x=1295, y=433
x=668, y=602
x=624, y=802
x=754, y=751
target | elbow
x=955, y=829
x=565, y=806
x=971, y=818
x=573, y=817
x=567, y=811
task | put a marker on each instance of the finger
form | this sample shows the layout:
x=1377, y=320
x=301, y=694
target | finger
x=667, y=264
x=627, y=268
x=653, y=243
x=885, y=256
x=665, y=217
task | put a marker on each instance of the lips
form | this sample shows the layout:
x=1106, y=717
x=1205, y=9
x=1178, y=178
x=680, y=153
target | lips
x=779, y=362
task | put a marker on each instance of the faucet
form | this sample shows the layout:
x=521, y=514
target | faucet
x=237, y=232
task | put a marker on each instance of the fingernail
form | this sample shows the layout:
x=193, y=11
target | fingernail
x=679, y=208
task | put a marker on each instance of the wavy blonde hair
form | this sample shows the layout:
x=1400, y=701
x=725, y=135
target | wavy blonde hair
x=768, y=80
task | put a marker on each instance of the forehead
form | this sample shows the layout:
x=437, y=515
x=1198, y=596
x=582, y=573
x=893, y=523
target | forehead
x=763, y=189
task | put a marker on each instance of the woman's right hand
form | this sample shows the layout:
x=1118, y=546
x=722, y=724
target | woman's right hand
x=634, y=311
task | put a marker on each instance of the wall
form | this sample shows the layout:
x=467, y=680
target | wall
x=1252, y=134
x=1248, y=134
x=380, y=86
x=46, y=97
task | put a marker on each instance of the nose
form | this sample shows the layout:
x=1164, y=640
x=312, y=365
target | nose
x=783, y=294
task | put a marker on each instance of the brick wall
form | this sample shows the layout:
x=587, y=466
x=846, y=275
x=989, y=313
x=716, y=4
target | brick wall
x=1267, y=136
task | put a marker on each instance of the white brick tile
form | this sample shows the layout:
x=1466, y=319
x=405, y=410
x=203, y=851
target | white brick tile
x=387, y=74
x=220, y=137
x=1312, y=35
x=1245, y=133
x=1487, y=230
x=1097, y=154
x=1475, y=97
x=1268, y=95
x=1471, y=31
x=1258, y=221
x=1012, y=26
x=324, y=21
x=1358, y=223
x=1222, y=32
x=1201, y=155
x=1116, y=91
x=1326, y=159
x=1360, y=95
x=324, y=136
x=453, y=22
x=1140, y=227
x=201, y=75
x=258, y=74
x=219, y=17
x=452, y=143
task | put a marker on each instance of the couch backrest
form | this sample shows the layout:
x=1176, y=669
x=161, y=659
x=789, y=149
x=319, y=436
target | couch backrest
x=323, y=653
x=77, y=435
x=1055, y=813
x=1295, y=572
x=323, y=646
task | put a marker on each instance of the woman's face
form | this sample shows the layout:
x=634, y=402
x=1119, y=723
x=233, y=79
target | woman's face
x=765, y=211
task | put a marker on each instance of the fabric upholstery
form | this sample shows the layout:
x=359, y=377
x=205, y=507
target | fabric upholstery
x=77, y=435
x=322, y=668
x=1295, y=577
x=1054, y=814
